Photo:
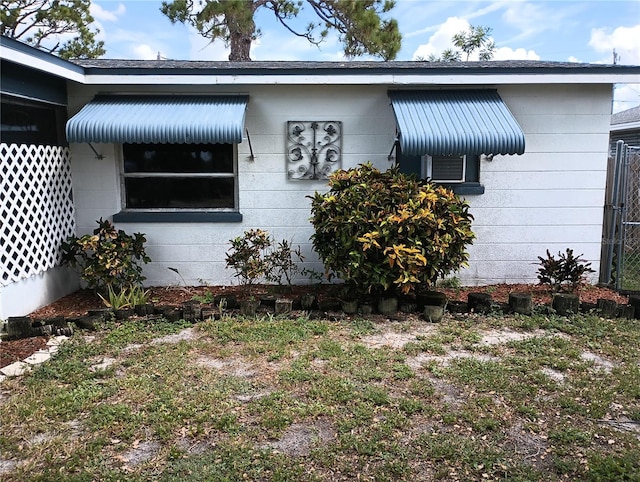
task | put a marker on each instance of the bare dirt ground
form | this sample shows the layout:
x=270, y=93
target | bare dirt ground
x=78, y=303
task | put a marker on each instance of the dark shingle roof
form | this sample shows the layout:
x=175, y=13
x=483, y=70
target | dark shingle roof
x=626, y=116
x=345, y=67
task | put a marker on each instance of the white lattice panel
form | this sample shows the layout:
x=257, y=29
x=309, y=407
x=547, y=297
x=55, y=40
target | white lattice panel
x=36, y=208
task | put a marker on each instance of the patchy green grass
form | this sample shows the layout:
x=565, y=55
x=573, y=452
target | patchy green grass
x=538, y=398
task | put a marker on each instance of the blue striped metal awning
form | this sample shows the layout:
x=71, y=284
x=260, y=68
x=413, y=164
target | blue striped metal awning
x=160, y=119
x=455, y=122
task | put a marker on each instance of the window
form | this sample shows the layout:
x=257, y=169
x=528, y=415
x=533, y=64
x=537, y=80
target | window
x=179, y=177
x=33, y=123
x=461, y=173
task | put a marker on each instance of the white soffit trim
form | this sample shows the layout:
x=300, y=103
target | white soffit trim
x=625, y=127
x=30, y=61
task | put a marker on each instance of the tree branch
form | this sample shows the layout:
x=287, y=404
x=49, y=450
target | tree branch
x=283, y=16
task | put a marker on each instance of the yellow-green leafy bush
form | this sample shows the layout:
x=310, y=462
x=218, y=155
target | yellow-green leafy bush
x=389, y=232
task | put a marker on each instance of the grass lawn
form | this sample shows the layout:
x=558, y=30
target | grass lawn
x=537, y=398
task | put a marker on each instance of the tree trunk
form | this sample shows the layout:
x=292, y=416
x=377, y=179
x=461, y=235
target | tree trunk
x=241, y=34
x=240, y=47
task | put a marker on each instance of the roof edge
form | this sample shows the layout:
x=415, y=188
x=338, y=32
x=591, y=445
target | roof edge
x=15, y=51
x=355, y=67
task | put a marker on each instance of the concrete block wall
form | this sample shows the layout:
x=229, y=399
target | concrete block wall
x=550, y=197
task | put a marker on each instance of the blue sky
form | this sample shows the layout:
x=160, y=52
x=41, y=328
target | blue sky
x=583, y=31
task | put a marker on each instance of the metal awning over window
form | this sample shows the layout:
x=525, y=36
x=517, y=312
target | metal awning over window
x=455, y=122
x=160, y=119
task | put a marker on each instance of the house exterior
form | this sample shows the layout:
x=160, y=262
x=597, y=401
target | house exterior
x=625, y=126
x=194, y=153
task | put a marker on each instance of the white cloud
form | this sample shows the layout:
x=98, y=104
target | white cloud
x=201, y=48
x=623, y=39
x=573, y=59
x=144, y=52
x=99, y=13
x=526, y=17
x=281, y=45
x=130, y=44
x=507, y=53
x=441, y=39
x=412, y=12
x=535, y=18
x=625, y=97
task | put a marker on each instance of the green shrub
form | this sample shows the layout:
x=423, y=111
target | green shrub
x=386, y=231
x=247, y=257
x=565, y=273
x=282, y=263
x=107, y=258
x=253, y=256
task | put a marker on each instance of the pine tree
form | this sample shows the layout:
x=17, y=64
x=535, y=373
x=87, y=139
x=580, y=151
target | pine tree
x=42, y=24
x=358, y=23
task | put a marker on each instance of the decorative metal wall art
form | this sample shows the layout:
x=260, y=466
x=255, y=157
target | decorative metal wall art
x=314, y=149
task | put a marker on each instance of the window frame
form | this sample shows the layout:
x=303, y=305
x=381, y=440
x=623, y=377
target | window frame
x=427, y=169
x=415, y=164
x=177, y=214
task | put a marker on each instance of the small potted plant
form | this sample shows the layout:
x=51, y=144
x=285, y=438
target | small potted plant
x=140, y=301
x=119, y=300
x=350, y=298
x=564, y=275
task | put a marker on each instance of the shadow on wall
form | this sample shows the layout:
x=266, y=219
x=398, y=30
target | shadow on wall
x=24, y=296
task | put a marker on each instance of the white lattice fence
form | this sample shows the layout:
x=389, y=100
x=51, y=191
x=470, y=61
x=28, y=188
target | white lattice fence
x=36, y=208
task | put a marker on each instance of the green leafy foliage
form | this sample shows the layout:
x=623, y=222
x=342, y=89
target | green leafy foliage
x=477, y=38
x=565, y=273
x=360, y=25
x=255, y=256
x=386, y=231
x=116, y=299
x=41, y=22
x=107, y=258
x=247, y=256
x=282, y=263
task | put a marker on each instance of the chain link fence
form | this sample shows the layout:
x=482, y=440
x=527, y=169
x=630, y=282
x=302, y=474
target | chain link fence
x=620, y=257
x=629, y=248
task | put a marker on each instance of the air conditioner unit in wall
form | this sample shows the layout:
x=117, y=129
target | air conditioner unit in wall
x=445, y=169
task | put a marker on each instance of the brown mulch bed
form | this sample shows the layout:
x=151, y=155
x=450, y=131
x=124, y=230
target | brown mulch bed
x=81, y=301
x=540, y=294
x=17, y=350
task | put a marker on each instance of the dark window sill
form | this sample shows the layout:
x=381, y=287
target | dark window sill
x=466, y=188
x=177, y=217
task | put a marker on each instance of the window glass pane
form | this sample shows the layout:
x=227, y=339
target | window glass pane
x=446, y=168
x=177, y=192
x=29, y=123
x=215, y=158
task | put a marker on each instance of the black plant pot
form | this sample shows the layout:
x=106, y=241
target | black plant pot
x=123, y=313
x=387, y=306
x=249, y=307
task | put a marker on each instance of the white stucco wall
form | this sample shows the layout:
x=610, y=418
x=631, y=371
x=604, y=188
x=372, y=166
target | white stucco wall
x=550, y=197
x=26, y=295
